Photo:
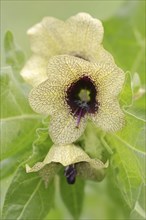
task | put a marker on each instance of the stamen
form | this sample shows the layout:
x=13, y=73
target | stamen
x=81, y=98
x=79, y=117
x=75, y=112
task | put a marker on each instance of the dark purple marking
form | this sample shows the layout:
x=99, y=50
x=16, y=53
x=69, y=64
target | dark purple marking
x=82, y=104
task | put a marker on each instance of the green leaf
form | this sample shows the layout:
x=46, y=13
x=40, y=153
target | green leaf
x=27, y=197
x=125, y=37
x=139, y=106
x=72, y=195
x=126, y=93
x=14, y=56
x=133, y=134
x=9, y=41
x=10, y=164
x=128, y=159
x=139, y=96
x=136, y=82
x=91, y=141
x=36, y=152
x=41, y=145
x=139, y=211
x=18, y=122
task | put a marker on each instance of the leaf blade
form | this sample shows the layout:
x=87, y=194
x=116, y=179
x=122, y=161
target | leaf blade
x=129, y=158
x=25, y=194
x=13, y=55
x=72, y=196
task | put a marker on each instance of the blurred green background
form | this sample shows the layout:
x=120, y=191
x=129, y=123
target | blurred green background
x=102, y=200
x=18, y=16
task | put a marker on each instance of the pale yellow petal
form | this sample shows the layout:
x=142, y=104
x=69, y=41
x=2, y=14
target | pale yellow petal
x=50, y=96
x=35, y=70
x=66, y=69
x=109, y=116
x=101, y=55
x=46, y=98
x=84, y=34
x=109, y=80
x=46, y=37
x=63, y=154
x=66, y=155
x=63, y=127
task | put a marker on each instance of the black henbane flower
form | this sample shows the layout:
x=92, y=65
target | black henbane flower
x=81, y=36
x=77, y=90
x=81, y=83
x=75, y=162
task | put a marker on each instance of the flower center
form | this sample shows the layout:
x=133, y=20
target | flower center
x=81, y=98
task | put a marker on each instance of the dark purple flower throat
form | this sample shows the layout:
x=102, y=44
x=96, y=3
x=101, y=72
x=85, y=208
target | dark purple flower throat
x=81, y=98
